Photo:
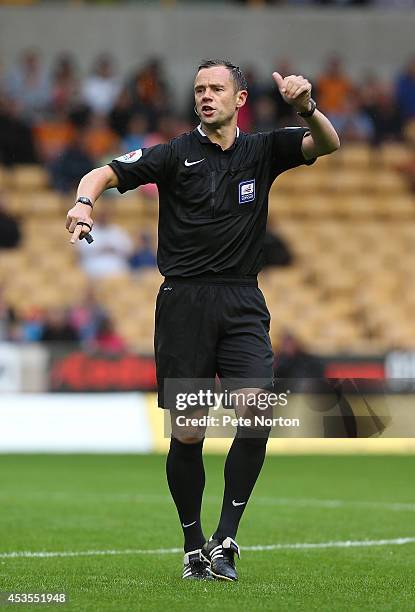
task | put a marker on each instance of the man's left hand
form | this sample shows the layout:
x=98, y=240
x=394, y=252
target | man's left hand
x=295, y=90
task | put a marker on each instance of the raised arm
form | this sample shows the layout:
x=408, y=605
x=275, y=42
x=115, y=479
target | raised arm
x=323, y=138
x=91, y=186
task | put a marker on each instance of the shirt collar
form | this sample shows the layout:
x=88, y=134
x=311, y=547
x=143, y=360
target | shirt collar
x=205, y=139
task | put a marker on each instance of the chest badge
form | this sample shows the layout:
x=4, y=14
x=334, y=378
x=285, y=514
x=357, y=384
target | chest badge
x=246, y=191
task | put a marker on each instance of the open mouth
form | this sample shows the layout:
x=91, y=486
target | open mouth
x=207, y=110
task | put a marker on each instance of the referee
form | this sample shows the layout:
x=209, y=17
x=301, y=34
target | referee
x=211, y=318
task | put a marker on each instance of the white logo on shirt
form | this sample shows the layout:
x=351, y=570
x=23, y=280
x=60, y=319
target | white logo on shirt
x=246, y=191
x=131, y=157
x=187, y=163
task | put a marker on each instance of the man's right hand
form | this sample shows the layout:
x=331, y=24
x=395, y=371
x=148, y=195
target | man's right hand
x=76, y=217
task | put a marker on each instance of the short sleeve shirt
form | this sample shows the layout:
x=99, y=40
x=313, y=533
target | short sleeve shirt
x=213, y=204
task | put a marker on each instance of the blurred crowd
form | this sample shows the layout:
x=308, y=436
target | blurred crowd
x=70, y=121
x=85, y=324
x=113, y=253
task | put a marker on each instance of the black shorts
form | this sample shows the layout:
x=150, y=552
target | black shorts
x=211, y=327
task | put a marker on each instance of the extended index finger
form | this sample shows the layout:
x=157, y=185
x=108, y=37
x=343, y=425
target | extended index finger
x=76, y=234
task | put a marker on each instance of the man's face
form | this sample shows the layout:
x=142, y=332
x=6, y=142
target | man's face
x=215, y=96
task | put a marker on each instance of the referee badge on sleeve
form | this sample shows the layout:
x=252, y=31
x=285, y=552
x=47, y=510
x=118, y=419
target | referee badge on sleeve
x=246, y=191
x=131, y=157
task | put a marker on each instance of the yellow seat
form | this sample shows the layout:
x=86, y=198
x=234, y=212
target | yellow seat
x=29, y=178
x=394, y=154
x=356, y=155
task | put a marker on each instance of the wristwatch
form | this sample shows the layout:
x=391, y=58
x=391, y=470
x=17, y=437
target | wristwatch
x=84, y=200
x=310, y=111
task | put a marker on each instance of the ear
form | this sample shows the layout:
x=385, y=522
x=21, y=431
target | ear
x=241, y=98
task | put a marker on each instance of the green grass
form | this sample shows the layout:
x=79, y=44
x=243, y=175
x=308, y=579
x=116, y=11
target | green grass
x=79, y=503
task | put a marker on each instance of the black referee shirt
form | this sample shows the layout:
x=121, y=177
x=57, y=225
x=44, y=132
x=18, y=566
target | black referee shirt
x=213, y=204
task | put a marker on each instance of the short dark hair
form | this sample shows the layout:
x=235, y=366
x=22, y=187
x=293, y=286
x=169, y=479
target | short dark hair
x=238, y=76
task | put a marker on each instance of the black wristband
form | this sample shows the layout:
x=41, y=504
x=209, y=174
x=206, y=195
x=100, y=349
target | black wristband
x=87, y=236
x=84, y=200
x=309, y=112
x=84, y=223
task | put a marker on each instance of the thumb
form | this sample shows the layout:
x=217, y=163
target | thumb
x=279, y=81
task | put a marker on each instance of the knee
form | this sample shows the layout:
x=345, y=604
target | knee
x=188, y=438
x=188, y=432
x=253, y=436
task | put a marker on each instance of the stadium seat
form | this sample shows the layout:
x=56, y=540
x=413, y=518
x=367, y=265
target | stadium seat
x=356, y=155
x=393, y=154
x=28, y=178
x=349, y=220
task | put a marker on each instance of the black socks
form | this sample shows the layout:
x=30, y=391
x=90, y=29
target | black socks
x=186, y=478
x=242, y=467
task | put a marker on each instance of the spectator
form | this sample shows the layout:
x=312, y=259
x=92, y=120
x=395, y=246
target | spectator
x=32, y=324
x=333, y=416
x=8, y=318
x=71, y=165
x=57, y=328
x=56, y=133
x=405, y=90
x=144, y=253
x=108, y=255
x=136, y=133
x=101, y=88
x=407, y=169
x=28, y=85
x=333, y=88
x=149, y=91
x=168, y=127
x=246, y=113
x=293, y=361
x=387, y=119
x=87, y=315
x=65, y=85
x=101, y=142
x=353, y=124
x=378, y=103
x=107, y=339
x=264, y=112
x=10, y=233
x=16, y=139
x=120, y=115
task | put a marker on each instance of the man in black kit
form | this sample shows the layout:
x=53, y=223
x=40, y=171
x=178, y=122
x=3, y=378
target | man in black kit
x=211, y=318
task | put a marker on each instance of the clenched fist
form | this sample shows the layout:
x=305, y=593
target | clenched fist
x=295, y=90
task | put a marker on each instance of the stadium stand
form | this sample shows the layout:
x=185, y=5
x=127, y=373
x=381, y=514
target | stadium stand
x=348, y=289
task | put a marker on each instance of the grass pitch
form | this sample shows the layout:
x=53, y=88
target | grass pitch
x=114, y=503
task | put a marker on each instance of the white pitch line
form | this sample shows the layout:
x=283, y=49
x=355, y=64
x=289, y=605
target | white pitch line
x=167, y=551
x=344, y=544
x=90, y=553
